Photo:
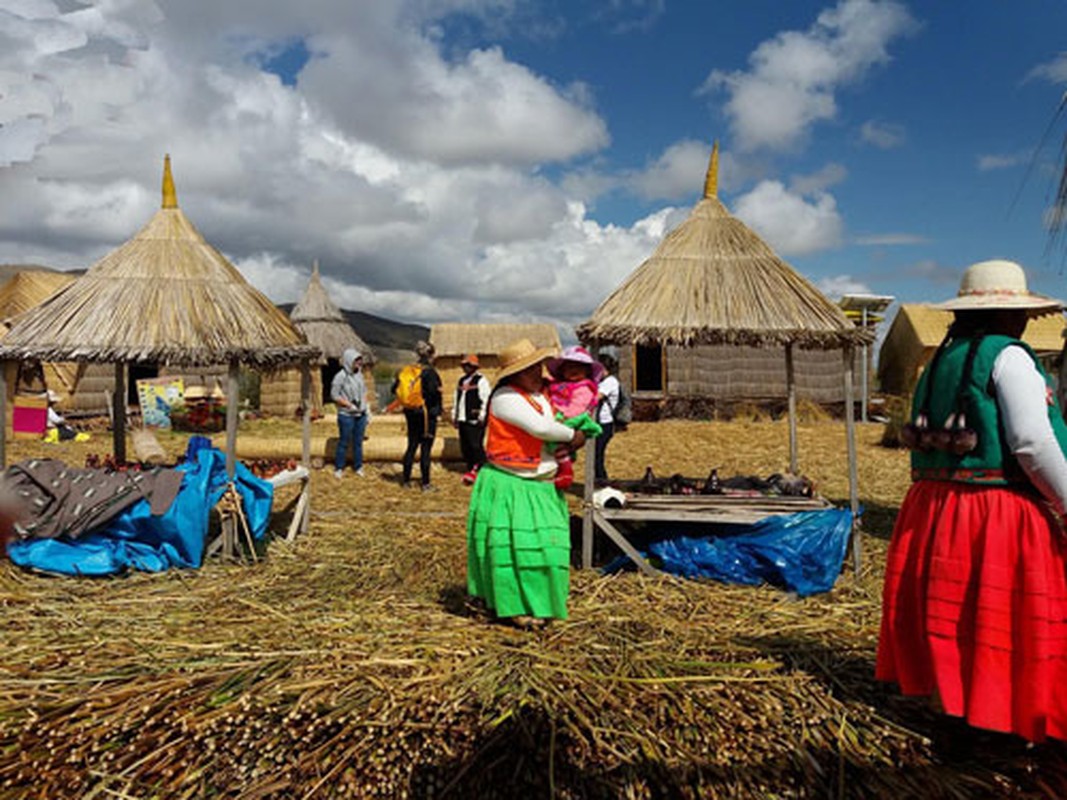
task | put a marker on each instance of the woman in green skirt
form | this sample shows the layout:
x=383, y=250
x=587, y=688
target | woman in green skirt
x=518, y=526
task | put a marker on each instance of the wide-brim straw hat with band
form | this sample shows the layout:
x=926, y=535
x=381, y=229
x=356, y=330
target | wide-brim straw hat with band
x=521, y=354
x=997, y=284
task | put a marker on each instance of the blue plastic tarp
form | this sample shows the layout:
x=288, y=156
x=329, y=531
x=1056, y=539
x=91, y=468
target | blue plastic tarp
x=800, y=552
x=137, y=540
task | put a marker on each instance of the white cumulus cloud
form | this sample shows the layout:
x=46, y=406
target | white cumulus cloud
x=793, y=79
x=792, y=224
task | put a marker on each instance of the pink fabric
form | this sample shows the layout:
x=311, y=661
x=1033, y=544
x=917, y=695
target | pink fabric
x=572, y=398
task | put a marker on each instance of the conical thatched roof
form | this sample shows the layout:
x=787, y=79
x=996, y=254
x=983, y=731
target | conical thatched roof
x=164, y=296
x=712, y=280
x=323, y=324
x=26, y=290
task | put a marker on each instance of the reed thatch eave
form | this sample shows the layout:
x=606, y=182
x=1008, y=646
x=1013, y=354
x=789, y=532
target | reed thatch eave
x=600, y=335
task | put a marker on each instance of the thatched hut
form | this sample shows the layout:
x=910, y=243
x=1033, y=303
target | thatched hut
x=918, y=329
x=325, y=327
x=164, y=298
x=23, y=291
x=706, y=321
x=453, y=340
x=715, y=296
x=83, y=388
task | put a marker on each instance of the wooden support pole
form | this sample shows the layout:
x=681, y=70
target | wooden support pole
x=853, y=469
x=587, y=503
x=233, y=392
x=304, y=510
x=624, y=544
x=305, y=399
x=3, y=417
x=229, y=522
x=118, y=414
x=791, y=388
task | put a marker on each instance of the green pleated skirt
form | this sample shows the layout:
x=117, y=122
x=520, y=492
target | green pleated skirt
x=518, y=545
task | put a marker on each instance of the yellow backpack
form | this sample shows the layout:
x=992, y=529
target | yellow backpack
x=409, y=386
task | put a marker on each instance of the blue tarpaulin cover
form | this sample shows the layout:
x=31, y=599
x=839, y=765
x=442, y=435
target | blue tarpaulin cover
x=800, y=552
x=137, y=540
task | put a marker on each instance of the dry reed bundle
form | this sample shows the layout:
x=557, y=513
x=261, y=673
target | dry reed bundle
x=349, y=664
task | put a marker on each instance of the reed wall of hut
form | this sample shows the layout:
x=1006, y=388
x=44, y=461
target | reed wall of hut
x=713, y=378
x=279, y=391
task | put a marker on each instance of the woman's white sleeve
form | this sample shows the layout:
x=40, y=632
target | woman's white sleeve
x=512, y=407
x=1022, y=396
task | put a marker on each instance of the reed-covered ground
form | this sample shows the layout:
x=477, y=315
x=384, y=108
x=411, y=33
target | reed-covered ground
x=348, y=663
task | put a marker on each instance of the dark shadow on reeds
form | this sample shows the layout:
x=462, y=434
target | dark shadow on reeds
x=955, y=746
x=533, y=753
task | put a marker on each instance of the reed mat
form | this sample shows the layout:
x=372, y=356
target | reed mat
x=349, y=663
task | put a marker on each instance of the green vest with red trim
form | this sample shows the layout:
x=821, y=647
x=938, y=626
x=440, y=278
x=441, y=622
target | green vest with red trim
x=990, y=462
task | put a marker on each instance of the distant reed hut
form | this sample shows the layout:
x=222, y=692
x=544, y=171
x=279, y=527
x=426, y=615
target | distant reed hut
x=454, y=340
x=84, y=389
x=714, y=317
x=918, y=329
x=165, y=298
x=23, y=291
x=324, y=327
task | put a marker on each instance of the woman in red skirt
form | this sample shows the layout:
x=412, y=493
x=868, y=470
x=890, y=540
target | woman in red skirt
x=974, y=608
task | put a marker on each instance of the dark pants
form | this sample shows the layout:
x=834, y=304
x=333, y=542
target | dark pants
x=350, y=429
x=421, y=429
x=602, y=445
x=471, y=435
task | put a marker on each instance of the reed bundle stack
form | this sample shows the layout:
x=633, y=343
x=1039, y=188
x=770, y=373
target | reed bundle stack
x=349, y=664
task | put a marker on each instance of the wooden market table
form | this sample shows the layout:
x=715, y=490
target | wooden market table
x=694, y=509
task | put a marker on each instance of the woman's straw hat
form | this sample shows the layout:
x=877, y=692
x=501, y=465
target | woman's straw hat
x=998, y=285
x=521, y=354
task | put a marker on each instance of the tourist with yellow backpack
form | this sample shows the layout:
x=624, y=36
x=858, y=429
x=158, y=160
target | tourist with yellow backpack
x=417, y=390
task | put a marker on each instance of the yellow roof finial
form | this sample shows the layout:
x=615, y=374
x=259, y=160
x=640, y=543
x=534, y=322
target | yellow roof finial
x=170, y=196
x=711, y=182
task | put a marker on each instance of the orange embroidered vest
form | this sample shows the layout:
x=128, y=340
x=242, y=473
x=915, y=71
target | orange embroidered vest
x=508, y=445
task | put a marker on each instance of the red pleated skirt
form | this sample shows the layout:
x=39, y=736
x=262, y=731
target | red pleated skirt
x=974, y=608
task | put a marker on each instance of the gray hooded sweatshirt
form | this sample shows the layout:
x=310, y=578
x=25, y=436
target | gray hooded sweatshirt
x=348, y=385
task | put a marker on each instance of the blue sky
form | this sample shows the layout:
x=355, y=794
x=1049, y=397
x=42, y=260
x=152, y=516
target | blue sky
x=488, y=160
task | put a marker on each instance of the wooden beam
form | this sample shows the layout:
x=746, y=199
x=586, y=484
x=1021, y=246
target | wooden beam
x=791, y=388
x=118, y=414
x=853, y=468
x=587, y=503
x=233, y=392
x=3, y=417
x=304, y=511
x=624, y=544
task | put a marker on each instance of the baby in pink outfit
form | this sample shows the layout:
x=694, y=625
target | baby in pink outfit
x=573, y=389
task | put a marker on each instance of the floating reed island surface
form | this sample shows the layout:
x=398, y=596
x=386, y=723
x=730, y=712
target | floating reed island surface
x=350, y=663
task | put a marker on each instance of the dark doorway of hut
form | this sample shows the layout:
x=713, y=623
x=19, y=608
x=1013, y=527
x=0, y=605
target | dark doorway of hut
x=648, y=368
x=326, y=373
